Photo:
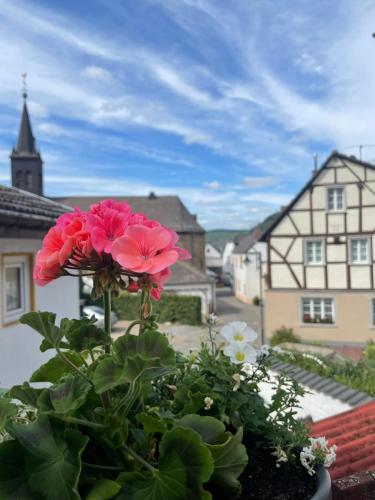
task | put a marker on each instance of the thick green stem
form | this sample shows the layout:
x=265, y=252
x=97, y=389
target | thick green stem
x=72, y=365
x=140, y=459
x=103, y=467
x=107, y=319
x=132, y=324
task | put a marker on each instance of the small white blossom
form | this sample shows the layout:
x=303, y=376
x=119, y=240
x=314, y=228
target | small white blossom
x=316, y=453
x=208, y=402
x=212, y=319
x=278, y=349
x=240, y=352
x=280, y=455
x=237, y=378
x=238, y=331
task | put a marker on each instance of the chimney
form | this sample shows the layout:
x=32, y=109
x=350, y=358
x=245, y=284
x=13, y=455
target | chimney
x=315, y=158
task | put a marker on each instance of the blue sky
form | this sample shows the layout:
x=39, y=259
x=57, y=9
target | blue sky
x=220, y=102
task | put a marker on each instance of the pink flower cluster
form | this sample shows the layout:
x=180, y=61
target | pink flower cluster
x=109, y=239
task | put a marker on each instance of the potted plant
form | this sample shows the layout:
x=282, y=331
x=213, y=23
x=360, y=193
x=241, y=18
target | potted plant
x=134, y=419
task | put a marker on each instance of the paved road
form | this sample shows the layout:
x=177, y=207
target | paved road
x=186, y=337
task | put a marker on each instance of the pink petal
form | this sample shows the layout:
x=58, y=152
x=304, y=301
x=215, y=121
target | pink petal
x=160, y=262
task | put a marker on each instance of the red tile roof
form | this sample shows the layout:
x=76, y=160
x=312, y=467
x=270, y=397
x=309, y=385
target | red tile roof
x=354, y=433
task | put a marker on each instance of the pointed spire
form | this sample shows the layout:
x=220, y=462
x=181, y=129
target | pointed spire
x=26, y=141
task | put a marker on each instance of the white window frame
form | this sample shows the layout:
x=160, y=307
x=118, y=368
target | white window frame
x=22, y=262
x=333, y=210
x=359, y=262
x=322, y=323
x=314, y=240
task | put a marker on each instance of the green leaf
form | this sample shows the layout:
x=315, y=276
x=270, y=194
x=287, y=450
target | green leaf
x=55, y=368
x=185, y=465
x=70, y=394
x=43, y=323
x=108, y=374
x=104, y=489
x=53, y=457
x=7, y=409
x=151, y=425
x=210, y=429
x=149, y=345
x=13, y=477
x=230, y=459
x=26, y=394
x=82, y=334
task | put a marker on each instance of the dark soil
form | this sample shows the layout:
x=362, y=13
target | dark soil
x=262, y=480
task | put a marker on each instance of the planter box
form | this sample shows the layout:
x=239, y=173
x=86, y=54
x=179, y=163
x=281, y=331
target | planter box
x=324, y=491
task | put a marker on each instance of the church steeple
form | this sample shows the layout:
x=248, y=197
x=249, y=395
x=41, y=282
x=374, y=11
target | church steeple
x=26, y=162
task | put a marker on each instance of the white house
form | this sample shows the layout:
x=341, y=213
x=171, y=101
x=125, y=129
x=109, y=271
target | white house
x=24, y=220
x=321, y=256
x=227, y=257
x=214, y=260
x=248, y=262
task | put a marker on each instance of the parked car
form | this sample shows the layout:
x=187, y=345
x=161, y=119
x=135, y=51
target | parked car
x=227, y=279
x=98, y=312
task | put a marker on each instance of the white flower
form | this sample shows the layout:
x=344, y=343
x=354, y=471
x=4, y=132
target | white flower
x=316, y=453
x=208, y=402
x=237, y=378
x=238, y=331
x=240, y=352
x=280, y=455
x=212, y=319
x=278, y=349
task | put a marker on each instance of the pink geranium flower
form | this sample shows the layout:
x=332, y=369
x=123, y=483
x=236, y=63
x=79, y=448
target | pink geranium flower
x=106, y=222
x=144, y=249
x=159, y=279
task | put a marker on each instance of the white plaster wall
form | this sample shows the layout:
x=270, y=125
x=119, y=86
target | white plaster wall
x=19, y=344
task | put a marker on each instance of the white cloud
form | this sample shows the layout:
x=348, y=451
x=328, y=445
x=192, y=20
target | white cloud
x=37, y=109
x=212, y=184
x=258, y=182
x=96, y=73
x=49, y=128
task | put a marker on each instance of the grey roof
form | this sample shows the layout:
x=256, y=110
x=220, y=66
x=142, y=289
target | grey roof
x=184, y=273
x=322, y=384
x=169, y=210
x=247, y=242
x=26, y=141
x=24, y=207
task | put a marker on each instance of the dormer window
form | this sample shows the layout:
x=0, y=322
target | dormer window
x=335, y=199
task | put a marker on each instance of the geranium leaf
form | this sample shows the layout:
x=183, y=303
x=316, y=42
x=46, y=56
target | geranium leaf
x=149, y=345
x=108, y=374
x=7, y=409
x=230, y=459
x=70, y=394
x=26, y=394
x=53, y=458
x=151, y=425
x=104, y=489
x=210, y=429
x=43, y=323
x=13, y=477
x=185, y=465
x=82, y=334
x=55, y=368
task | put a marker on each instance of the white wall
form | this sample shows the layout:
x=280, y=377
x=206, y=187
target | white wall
x=227, y=260
x=246, y=276
x=19, y=344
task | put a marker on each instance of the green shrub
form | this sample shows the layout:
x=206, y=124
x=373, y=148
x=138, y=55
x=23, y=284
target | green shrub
x=369, y=351
x=174, y=308
x=284, y=334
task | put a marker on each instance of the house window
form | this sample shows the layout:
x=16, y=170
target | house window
x=16, y=287
x=318, y=310
x=314, y=252
x=359, y=253
x=335, y=199
x=372, y=312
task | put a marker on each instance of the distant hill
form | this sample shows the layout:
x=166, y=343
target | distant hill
x=219, y=237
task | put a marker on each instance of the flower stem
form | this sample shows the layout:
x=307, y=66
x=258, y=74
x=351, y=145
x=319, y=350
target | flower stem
x=140, y=459
x=132, y=324
x=72, y=365
x=107, y=318
x=81, y=421
x=103, y=467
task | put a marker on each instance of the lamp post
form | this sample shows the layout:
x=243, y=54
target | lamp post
x=258, y=257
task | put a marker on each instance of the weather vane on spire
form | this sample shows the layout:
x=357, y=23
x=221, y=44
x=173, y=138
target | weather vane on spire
x=24, y=85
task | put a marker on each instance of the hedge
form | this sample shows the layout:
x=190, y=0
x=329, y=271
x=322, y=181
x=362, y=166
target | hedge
x=170, y=308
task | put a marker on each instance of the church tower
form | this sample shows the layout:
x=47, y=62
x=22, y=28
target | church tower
x=26, y=162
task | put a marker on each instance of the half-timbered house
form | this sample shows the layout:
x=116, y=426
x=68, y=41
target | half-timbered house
x=321, y=256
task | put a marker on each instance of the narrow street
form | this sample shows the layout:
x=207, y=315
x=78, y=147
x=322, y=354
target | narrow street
x=228, y=308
